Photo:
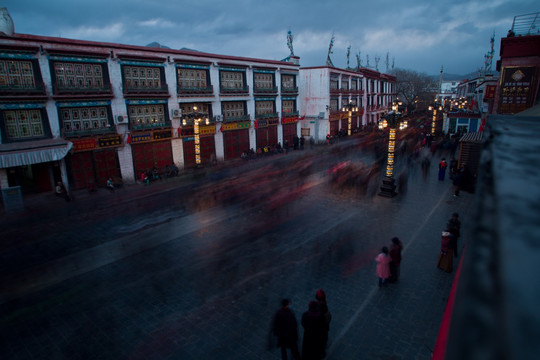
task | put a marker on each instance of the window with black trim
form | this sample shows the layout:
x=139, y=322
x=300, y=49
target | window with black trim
x=24, y=124
x=78, y=121
x=74, y=77
x=143, y=78
x=20, y=76
x=234, y=110
x=147, y=116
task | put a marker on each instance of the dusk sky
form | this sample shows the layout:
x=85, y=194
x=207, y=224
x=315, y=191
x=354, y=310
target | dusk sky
x=417, y=34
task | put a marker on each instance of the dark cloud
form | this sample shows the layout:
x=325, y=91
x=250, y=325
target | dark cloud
x=418, y=35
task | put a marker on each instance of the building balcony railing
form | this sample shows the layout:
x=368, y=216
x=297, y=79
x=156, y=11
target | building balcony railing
x=163, y=89
x=290, y=114
x=190, y=122
x=88, y=132
x=206, y=90
x=236, y=118
x=267, y=116
x=526, y=25
x=289, y=90
x=149, y=126
x=234, y=90
x=37, y=89
x=259, y=90
x=63, y=89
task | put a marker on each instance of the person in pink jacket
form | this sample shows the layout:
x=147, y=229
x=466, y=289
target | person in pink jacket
x=383, y=266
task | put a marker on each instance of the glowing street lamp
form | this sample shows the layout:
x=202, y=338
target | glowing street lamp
x=197, y=117
x=350, y=108
x=392, y=120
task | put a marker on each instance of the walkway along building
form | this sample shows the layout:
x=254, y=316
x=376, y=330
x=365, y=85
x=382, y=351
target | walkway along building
x=83, y=111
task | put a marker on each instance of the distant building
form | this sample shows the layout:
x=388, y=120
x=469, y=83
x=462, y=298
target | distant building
x=83, y=111
x=473, y=100
x=325, y=90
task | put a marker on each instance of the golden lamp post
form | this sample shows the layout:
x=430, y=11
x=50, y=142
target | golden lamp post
x=349, y=108
x=392, y=120
x=196, y=117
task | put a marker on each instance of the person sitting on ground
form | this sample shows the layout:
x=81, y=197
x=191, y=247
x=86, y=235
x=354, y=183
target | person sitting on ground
x=174, y=170
x=61, y=191
x=155, y=174
x=110, y=184
x=144, y=178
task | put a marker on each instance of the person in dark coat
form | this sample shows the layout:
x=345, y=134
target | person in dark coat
x=395, y=254
x=320, y=295
x=454, y=226
x=314, y=330
x=285, y=328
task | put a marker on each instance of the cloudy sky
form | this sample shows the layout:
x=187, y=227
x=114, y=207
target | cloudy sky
x=418, y=35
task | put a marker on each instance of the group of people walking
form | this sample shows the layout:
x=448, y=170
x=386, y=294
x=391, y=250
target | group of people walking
x=316, y=324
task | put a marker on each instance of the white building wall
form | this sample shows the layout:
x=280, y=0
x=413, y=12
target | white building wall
x=314, y=98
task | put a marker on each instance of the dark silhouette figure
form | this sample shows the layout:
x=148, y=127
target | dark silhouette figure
x=314, y=330
x=454, y=226
x=285, y=328
x=326, y=314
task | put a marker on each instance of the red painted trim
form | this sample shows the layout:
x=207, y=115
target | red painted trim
x=75, y=52
x=439, y=352
x=140, y=57
x=6, y=47
x=163, y=51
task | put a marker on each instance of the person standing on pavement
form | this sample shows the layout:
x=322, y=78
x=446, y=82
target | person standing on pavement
x=442, y=169
x=314, y=329
x=454, y=226
x=445, y=257
x=395, y=255
x=285, y=328
x=327, y=315
x=383, y=266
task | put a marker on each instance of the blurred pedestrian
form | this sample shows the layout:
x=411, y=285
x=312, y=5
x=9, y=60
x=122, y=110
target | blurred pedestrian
x=442, y=169
x=383, y=266
x=425, y=163
x=457, y=181
x=327, y=316
x=454, y=226
x=453, y=168
x=395, y=255
x=314, y=330
x=445, y=257
x=285, y=328
x=402, y=181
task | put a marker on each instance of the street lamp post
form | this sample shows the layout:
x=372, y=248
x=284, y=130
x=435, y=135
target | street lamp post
x=350, y=108
x=196, y=117
x=391, y=120
x=434, y=119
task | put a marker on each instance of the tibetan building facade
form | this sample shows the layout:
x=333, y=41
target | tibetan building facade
x=81, y=111
x=325, y=90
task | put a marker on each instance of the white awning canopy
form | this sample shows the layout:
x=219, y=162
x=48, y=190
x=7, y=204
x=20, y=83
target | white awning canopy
x=33, y=152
